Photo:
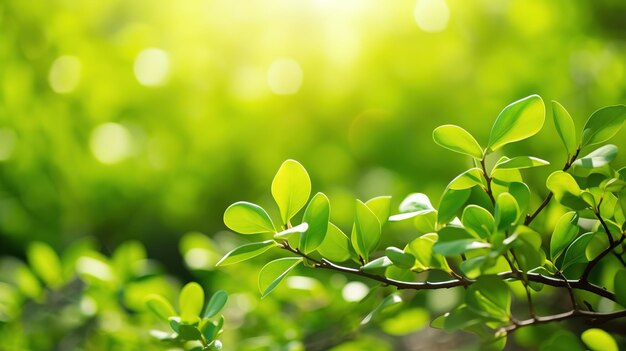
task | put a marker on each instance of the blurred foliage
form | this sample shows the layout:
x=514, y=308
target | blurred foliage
x=142, y=120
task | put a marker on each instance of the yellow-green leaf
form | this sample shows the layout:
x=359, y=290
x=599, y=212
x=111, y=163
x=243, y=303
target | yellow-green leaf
x=246, y=252
x=248, y=218
x=603, y=124
x=519, y=120
x=366, y=230
x=274, y=272
x=316, y=215
x=564, y=233
x=457, y=139
x=599, y=340
x=291, y=188
x=565, y=127
x=160, y=306
x=566, y=190
x=190, y=302
x=381, y=206
x=336, y=245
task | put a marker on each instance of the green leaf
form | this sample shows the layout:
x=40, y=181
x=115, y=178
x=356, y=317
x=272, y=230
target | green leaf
x=565, y=128
x=603, y=124
x=317, y=215
x=489, y=297
x=274, y=272
x=478, y=221
x=457, y=319
x=519, y=120
x=576, y=252
x=399, y=257
x=566, y=190
x=216, y=303
x=46, y=263
x=620, y=287
x=246, y=252
x=291, y=188
x=596, y=245
x=336, y=245
x=598, y=157
x=451, y=202
x=457, y=247
x=425, y=259
x=381, y=206
x=160, y=306
x=599, y=340
x=565, y=231
x=468, y=179
x=190, y=302
x=507, y=211
x=248, y=218
x=521, y=162
x=413, y=205
x=366, y=231
x=287, y=233
x=188, y=332
x=387, y=303
x=380, y=262
x=458, y=140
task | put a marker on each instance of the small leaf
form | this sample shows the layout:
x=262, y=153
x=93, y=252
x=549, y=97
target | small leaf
x=336, y=245
x=599, y=340
x=248, y=218
x=519, y=120
x=188, y=332
x=468, y=179
x=274, y=272
x=381, y=206
x=378, y=263
x=246, y=252
x=457, y=247
x=287, y=233
x=46, y=263
x=620, y=287
x=507, y=211
x=216, y=303
x=291, y=188
x=598, y=157
x=490, y=297
x=160, y=306
x=576, y=252
x=399, y=257
x=190, y=302
x=603, y=124
x=387, y=303
x=565, y=231
x=566, y=190
x=451, y=202
x=565, y=128
x=366, y=231
x=458, y=140
x=422, y=249
x=413, y=205
x=478, y=221
x=317, y=215
x=521, y=162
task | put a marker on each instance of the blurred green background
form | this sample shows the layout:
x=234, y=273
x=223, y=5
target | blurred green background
x=144, y=120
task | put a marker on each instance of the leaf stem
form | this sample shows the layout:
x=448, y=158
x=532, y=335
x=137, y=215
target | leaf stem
x=488, y=180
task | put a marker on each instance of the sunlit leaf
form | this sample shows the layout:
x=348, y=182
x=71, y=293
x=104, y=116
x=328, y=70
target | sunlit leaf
x=576, y=252
x=489, y=296
x=160, y=306
x=190, y=302
x=598, y=157
x=387, y=303
x=336, y=245
x=216, y=303
x=246, y=252
x=248, y=218
x=317, y=215
x=603, y=124
x=519, y=120
x=274, y=272
x=521, y=162
x=468, y=179
x=478, y=221
x=451, y=202
x=506, y=211
x=599, y=340
x=457, y=247
x=291, y=188
x=380, y=262
x=566, y=190
x=457, y=139
x=565, y=127
x=400, y=258
x=564, y=233
x=381, y=206
x=366, y=231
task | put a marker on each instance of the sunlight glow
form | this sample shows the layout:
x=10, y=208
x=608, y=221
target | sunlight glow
x=432, y=15
x=284, y=76
x=354, y=291
x=152, y=67
x=64, y=74
x=110, y=143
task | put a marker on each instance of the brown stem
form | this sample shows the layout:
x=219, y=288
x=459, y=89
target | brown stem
x=488, y=180
x=591, y=317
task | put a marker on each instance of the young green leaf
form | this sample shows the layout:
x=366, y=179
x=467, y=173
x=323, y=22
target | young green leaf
x=400, y=258
x=468, y=179
x=160, y=306
x=216, y=303
x=576, y=252
x=378, y=263
x=317, y=215
x=490, y=297
x=46, y=263
x=599, y=340
x=598, y=157
x=478, y=221
x=564, y=233
x=246, y=252
x=507, y=211
x=381, y=206
x=565, y=127
x=566, y=190
x=422, y=249
x=458, y=140
x=451, y=202
x=387, y=303
x=336, y=245
x=603, y=124
x=287, y=233
x=620, y=287
x=413, y=205
x=366, y=231
x=291, y=188
x=274, y=272
x=248, y=218
x=457, y=247
x=190, y=302
x=519, y=120
x=521, y=162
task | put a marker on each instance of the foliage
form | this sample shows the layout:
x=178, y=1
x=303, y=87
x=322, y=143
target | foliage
x=482, y=235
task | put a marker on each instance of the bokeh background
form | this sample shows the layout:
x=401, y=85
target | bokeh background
x=143, y=120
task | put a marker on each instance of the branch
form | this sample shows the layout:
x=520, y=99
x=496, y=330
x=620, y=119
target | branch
x=488, y=180
x=585, y=276
x=546, y=201
x=606, y=227
x=591, y=317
